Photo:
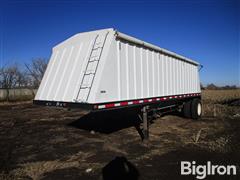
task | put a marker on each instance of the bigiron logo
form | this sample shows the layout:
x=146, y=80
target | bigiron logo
x=202, y=171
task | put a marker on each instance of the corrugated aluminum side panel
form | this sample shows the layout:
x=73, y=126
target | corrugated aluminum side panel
x=138, y=72
x=136, y=41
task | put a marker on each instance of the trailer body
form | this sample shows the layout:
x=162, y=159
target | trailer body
x=106, y=69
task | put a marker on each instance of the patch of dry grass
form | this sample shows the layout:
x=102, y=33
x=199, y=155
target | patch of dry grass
x=213, y=102
x=218, y=96
x=36, y=170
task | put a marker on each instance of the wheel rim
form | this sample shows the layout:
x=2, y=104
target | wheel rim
x=199, y=109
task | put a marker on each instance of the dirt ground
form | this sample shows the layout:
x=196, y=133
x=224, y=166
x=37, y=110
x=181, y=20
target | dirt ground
x=51, y=143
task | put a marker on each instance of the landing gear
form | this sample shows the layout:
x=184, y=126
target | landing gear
x=145, y=123
x=144, y=129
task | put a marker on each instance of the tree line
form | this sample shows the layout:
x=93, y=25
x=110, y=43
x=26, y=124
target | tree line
x=28, y=76
x=215, y=87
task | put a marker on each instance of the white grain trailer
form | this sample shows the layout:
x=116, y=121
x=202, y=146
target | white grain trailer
x=106, y=69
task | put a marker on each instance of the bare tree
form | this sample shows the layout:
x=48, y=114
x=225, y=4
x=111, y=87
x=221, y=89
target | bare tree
x=36, y=70
x=11, y=77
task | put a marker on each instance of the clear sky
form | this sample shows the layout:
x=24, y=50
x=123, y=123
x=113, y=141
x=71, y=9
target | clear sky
x=205, y=30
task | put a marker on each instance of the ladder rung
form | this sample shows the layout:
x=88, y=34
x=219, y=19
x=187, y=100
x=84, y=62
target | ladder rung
x=84, y=87
x=93, y=60
x=88, y=73
x=100, y=47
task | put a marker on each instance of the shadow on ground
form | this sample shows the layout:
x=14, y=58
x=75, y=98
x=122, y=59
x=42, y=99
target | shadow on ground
x=108, y=121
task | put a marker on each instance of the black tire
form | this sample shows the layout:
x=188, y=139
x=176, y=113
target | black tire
x=187, y=109
x=196, y=109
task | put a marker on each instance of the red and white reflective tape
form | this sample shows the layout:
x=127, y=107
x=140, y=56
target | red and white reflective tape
x=141, y=101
